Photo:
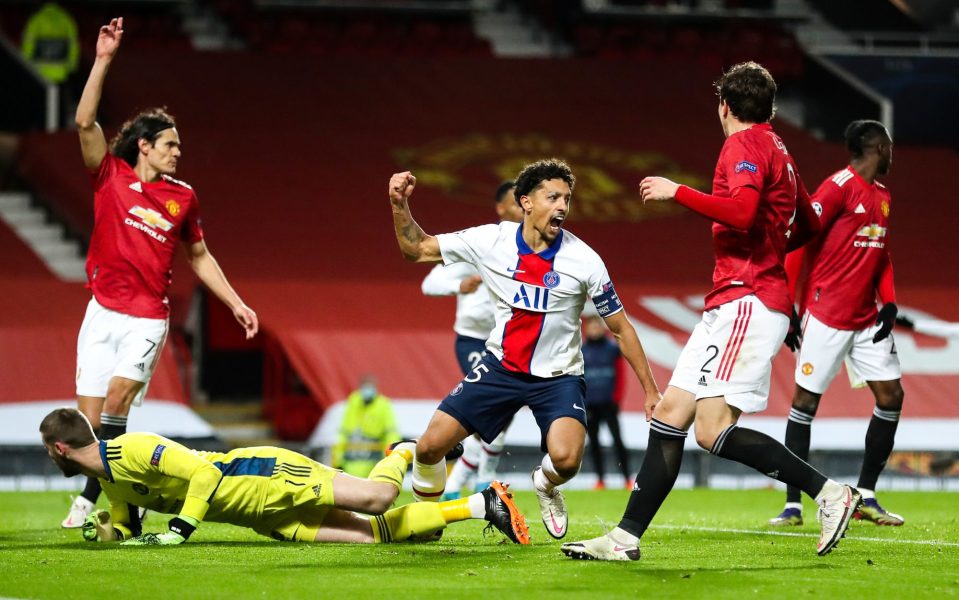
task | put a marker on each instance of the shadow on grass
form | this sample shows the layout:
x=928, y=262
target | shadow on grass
x=672, y=572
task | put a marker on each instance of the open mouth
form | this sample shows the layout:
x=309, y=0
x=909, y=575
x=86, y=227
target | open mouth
x=556, y=223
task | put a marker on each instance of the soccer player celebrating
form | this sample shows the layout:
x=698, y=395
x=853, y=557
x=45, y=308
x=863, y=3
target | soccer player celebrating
x=273, y=491
x=140, y=212
x=540, y=277
x=475, y=318
x=848, y=266
x=723, y=371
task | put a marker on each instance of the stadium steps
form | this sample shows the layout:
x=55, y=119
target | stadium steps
x=238, y=424
x=64, y=257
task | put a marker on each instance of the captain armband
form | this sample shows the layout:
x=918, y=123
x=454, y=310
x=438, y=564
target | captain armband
x=607, y=302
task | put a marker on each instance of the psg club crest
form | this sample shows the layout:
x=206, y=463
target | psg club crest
x=551, y=279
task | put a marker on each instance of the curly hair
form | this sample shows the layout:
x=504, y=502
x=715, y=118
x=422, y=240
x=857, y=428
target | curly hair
x=750, y=92
x=147, y=125
x=536, y=173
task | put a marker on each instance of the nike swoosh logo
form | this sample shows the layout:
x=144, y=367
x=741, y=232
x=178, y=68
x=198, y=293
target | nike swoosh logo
x=512, y=270
x=620, y=548
x=579, y=407
x=556, y=526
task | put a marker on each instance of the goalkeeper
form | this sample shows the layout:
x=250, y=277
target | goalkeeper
x=275, y=492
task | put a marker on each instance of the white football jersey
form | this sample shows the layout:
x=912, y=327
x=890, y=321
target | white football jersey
x=474, y=312
x=538, y=298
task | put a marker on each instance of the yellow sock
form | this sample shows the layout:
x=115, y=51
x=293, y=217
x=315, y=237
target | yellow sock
x=411, y=520
x=392, y=469
x=456, y=510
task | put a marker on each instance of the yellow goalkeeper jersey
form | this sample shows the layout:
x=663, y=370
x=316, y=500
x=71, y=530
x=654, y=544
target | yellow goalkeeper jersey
x=148, y=470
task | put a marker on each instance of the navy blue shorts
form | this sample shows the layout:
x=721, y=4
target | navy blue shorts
x=488, y=397
x=469, y=352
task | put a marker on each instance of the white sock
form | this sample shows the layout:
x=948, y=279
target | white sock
x=623, y=537
x=83, y=503
x=429, y=481
x=546, y=478
x=830, y=488
x=477, y=506
x=867, y=494
x=489, y=458
x=796, y=505
x=464, y=470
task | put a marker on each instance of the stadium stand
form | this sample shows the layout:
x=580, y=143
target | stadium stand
x=291, y=187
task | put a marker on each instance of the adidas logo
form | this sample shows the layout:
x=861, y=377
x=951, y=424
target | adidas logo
x=860, y=209
x=136, y=187
x=702, y=380
x=317, y=489
x=140, y=366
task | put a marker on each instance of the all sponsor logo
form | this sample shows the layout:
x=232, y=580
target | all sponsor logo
x=538, y=299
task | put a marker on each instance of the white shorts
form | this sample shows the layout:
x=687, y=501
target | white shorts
x=730, y=354
x=113, y=344
x=824, y=349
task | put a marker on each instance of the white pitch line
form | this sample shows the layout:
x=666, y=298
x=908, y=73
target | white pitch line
x=808, y=535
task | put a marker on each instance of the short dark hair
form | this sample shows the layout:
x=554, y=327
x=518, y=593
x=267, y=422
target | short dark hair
x=536, y=173
x=750, y=92
x=503, y=189
x=862, y=134
x=67, y=425
x=146, y=125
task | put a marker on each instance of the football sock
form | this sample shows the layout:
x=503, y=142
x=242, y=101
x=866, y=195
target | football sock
x=798, y=429
x=880, y=437
x=546, y=478
x=471, y=507
x=464, y=470
x=91, y=491
x=766, y=455
x=392, y=469
x=112, y=426
x=402, y=523
x=489, y=459
x=664, y=456
x=429, y=481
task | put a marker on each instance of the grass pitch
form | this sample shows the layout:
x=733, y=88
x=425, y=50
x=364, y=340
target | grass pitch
x=704, y=543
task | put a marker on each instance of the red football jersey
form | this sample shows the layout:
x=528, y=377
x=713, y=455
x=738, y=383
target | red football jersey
x=847, y=258
x=751, y=261
x=136, y=227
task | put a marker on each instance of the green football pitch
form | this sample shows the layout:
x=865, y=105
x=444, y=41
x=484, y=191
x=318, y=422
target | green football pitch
x=704, y=543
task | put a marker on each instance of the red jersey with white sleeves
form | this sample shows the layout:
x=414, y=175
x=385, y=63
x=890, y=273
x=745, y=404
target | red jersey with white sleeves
x=538, y=297
x=751, y=261
x=136, y=227
x=847, y=260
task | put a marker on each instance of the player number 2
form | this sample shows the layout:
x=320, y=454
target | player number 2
x=715, y=351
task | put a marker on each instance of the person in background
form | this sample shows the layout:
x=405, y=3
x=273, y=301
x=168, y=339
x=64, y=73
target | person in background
x=367, y=430
x=50, y=43
x=603, y=370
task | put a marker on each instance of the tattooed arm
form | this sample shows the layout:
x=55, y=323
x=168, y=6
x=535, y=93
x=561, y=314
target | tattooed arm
x=415, y=245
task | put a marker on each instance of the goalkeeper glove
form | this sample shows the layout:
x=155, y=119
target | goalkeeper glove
x=180, y=529
x=794, y=333
x=98, y=527
x=885, y=319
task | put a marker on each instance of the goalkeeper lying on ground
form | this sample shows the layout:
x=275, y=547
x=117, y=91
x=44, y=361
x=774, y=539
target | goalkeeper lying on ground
x=275, y=492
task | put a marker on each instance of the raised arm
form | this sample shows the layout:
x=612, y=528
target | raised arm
x=632, y=351
x=415, y=245
x=210, y=273
x=93, y=144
